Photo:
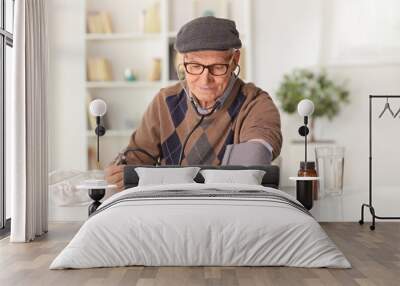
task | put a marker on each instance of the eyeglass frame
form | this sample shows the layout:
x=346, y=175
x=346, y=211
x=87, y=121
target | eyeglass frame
x=208, y=67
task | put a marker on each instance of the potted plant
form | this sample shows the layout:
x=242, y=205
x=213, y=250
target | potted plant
x=326, y=95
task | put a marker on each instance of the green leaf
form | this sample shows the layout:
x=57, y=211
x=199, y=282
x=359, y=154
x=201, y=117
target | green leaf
x=328, y=96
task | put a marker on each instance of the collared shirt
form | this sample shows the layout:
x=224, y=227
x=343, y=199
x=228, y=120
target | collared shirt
x=220, y=99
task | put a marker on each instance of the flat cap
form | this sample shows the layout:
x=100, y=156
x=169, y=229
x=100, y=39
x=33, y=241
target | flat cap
x=207, y=33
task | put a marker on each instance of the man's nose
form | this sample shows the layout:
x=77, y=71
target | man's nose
x=206, y=76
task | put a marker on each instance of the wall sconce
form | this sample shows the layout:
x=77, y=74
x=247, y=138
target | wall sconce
x=304, y=185
x=98, y=108
x=96, y=187
x=305, y=108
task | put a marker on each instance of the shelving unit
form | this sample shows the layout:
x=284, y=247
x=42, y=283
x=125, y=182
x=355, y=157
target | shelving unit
x=123, y=84
x=122, y=36
x=130, y=47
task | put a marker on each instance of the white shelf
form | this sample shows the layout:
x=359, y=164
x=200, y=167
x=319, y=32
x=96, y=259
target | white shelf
x=123, y=36
x=123, y=84
x=112, y=133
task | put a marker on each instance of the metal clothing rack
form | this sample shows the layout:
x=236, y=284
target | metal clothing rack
x=370, y=204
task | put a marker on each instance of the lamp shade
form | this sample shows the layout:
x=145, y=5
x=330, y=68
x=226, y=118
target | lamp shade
x=305, y=107
x=98, y=107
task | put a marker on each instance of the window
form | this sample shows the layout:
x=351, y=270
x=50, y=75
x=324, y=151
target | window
x=6, y=44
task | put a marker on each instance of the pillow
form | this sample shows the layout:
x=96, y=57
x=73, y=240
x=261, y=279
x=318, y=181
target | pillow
x=248, y=177
x=162, y=176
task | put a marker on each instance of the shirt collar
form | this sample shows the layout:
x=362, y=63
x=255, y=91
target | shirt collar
x=220, y=99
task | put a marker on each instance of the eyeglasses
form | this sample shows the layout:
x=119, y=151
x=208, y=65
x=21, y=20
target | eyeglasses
x=215, y=69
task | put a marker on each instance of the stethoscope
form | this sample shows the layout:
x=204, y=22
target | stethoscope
x=196, y=108
x=217, y=104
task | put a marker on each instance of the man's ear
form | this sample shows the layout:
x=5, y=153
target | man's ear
x=236, y=57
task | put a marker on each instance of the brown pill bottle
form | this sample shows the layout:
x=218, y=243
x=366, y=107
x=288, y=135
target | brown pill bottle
x=308, y=170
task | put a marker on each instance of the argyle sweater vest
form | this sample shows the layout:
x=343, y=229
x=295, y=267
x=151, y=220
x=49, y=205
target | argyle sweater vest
x=247, y=113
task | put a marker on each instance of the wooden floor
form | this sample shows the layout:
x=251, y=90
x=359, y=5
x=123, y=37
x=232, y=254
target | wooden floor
x=375, y=257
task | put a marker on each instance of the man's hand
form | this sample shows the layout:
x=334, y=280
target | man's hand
x=114, y=175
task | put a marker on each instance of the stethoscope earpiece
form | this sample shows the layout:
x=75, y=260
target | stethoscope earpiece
x=238, y=73
x=192, y=100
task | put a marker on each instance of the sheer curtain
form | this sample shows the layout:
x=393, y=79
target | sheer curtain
x=27, y=123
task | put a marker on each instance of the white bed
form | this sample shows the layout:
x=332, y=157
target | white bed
x=257, y=226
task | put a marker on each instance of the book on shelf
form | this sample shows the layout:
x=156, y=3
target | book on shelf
x=99, y=69
x=155, y=73
x=99, y=22
x=151, y=19
x=174, y=67
x=172, y=62
x=92, y=157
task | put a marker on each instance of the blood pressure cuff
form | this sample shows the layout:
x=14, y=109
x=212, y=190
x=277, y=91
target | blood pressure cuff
x=247, y=154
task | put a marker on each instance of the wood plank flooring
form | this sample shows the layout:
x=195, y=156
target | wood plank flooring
x=375, y=257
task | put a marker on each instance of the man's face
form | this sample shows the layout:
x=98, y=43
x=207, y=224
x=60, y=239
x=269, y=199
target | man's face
x=205, y=86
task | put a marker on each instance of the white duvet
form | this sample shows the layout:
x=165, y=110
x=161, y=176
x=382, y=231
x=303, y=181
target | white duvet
x=183, y=231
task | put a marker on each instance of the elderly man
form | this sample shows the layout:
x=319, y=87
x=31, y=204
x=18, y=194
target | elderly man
x=210, y=118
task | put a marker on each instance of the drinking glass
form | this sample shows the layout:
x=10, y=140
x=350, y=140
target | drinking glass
x=330, y=166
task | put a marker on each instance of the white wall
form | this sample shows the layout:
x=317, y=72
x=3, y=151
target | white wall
x=286, y=36
x=67, y=91
x=296, y=34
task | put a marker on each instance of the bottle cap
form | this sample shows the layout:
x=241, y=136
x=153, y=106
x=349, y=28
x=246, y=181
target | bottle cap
x=309, y=166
